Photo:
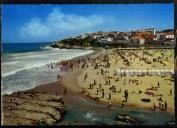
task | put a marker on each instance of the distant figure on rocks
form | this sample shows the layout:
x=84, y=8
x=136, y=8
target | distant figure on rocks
x=18, y=94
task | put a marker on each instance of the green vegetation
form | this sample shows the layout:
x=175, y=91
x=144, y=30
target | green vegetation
x=82, y=43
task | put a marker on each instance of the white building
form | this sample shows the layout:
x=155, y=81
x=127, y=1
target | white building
x=169, y=36
x=105, y=40
x=137, y=40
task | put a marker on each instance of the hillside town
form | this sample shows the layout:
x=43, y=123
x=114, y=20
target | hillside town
x=136, y=38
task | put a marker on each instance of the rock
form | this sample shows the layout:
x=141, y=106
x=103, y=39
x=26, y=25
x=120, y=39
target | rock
x=146, y=100
x=32, y=109
x=125, y=119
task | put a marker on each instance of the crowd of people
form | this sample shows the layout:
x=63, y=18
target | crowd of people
x=100, y=79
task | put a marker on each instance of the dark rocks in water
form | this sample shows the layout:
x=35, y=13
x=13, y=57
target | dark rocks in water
x=124, y=119
x=32, y=109
x=146, y=100
x=55, y=45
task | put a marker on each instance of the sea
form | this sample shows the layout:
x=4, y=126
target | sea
x=24, y=65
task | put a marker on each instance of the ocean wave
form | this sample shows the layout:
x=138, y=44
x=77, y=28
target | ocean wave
x=21, y=69
x=10, y=63
x=21, y=66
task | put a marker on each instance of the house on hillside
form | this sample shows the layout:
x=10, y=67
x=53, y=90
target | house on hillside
x=137, y=40
x=105, y=40
x=169, y=36
x=123, y=36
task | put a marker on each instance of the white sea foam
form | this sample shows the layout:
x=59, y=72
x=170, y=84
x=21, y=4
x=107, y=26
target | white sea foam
x=19, y=69
x=91, y=115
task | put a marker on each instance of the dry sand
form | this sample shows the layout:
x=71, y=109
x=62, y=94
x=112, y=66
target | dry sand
x=134, y=98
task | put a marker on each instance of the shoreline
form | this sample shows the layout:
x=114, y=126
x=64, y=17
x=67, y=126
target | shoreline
x=70, y=78
x=56, y=61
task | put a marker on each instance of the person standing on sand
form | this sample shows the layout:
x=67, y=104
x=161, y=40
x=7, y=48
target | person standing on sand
x=103, y=94
x=158, y=84
x=159, y=105
x=170, y=91
x=65, y=91
x=154, y=106
x=85, y=77
x=122, y=104
x=162, y=107
x=126, y=95
x=96, y=91
x=94, y=82
x=90, y=86
x=165, y=105
x=109, y=95
x=110, y=104
x=100, y=86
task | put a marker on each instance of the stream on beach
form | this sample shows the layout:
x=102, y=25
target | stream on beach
x=22, y=70
x=88, y=112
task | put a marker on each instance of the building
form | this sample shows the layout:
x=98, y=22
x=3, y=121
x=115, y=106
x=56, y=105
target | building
x=169, y=36
x=149, y=30
x=137, y=40
x=105, y=40
x=160, y=36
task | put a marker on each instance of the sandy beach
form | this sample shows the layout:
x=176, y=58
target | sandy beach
x=156, y=88
x=109, y=88
x=104, y=86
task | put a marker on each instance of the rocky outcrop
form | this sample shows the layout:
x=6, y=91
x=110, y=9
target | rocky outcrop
x=31, y=109
x=125, y=119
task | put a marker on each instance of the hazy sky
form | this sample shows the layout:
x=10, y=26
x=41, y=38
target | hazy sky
x=38, y=23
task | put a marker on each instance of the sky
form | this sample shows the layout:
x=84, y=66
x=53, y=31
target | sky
x=48, y=23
